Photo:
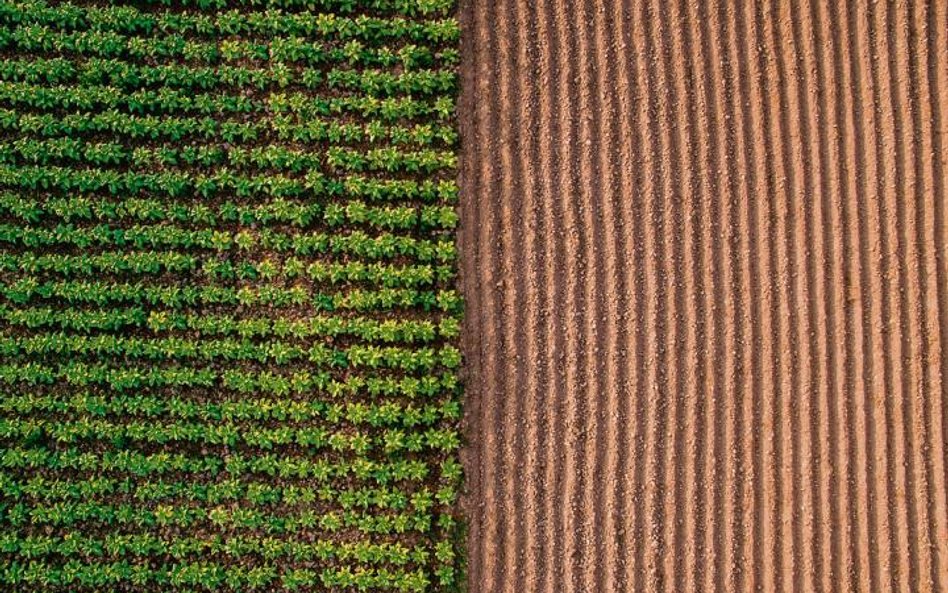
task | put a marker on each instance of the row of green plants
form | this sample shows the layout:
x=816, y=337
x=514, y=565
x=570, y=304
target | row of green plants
x=38, y=489
x=90, y=514
x=349, y=244
x=387, y=331
x=270, y=157
x=118, y=262
x=127, y=377
x=318, y=355
x=410, y=8
x=95, y=98
x=270, y=297
x=286, y=466
x=278, y=211
x=118, y=545
x=39, y=39
x=244, y=409
x=278, y=75
x=315, y=438
x=208, y=576
x=131, y=263
x=254, y=494
x=236, y=131
x=222, y=182
x=270, y=22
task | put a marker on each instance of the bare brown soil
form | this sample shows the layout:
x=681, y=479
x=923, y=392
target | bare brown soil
x=705, y=266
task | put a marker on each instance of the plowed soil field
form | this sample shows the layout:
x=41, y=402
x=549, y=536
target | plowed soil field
x=707, y=296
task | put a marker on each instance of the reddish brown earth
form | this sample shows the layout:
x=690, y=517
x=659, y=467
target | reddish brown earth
x=705, y=264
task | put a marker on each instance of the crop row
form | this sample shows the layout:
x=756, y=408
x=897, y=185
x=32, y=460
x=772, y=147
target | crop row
x=271, y=157
x=251, y=409
x=282, y=465
x=176, y=102
x=220, y=183
x=278, y=211
x=269, y=23
x=42, y=39
x=122, y=75
x=27, y=289
x=233, y=379
x=212, y=270
x=353, y=244
x=316, y=355
x=233, y=494
x=208, y=576
x=234, y=131
x=80, y=374
x=115, y=545
x=91, y=514
x=406, y=331
x=84, y=429
x=38, y=489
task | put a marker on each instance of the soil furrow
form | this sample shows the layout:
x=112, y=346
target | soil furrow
x=602, y=362
x=562, y=564
x=815, y=222
x=657, y=344
x=613, y=298
x=531, y=403
x=937, y=52
x=866, y=246
x=903, y=567
x=551, y=234
x=841, y=439
x=510, y=315
x=574, y=245
x=928, y=199
x=590, y=276
x=680, y=279
x=723, y=240
x=702, y=499
x=804, y=427
x=747, y=569
x=645, y=186
x=497, y=494
x=703, y=252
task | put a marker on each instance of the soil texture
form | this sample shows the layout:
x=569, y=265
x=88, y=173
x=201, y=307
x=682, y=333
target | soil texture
x=704, y=259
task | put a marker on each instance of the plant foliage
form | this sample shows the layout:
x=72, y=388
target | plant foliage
x=228, y=314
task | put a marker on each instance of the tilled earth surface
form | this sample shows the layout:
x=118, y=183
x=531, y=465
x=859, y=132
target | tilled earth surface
x=705, y=271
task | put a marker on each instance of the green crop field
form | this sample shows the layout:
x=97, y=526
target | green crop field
x=228, y=316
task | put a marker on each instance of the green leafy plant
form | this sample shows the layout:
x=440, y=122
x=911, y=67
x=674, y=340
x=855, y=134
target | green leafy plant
x=228, y=313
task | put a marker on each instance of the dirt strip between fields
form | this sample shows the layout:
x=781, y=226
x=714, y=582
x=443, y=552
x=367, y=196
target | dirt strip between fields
x=704, y=257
